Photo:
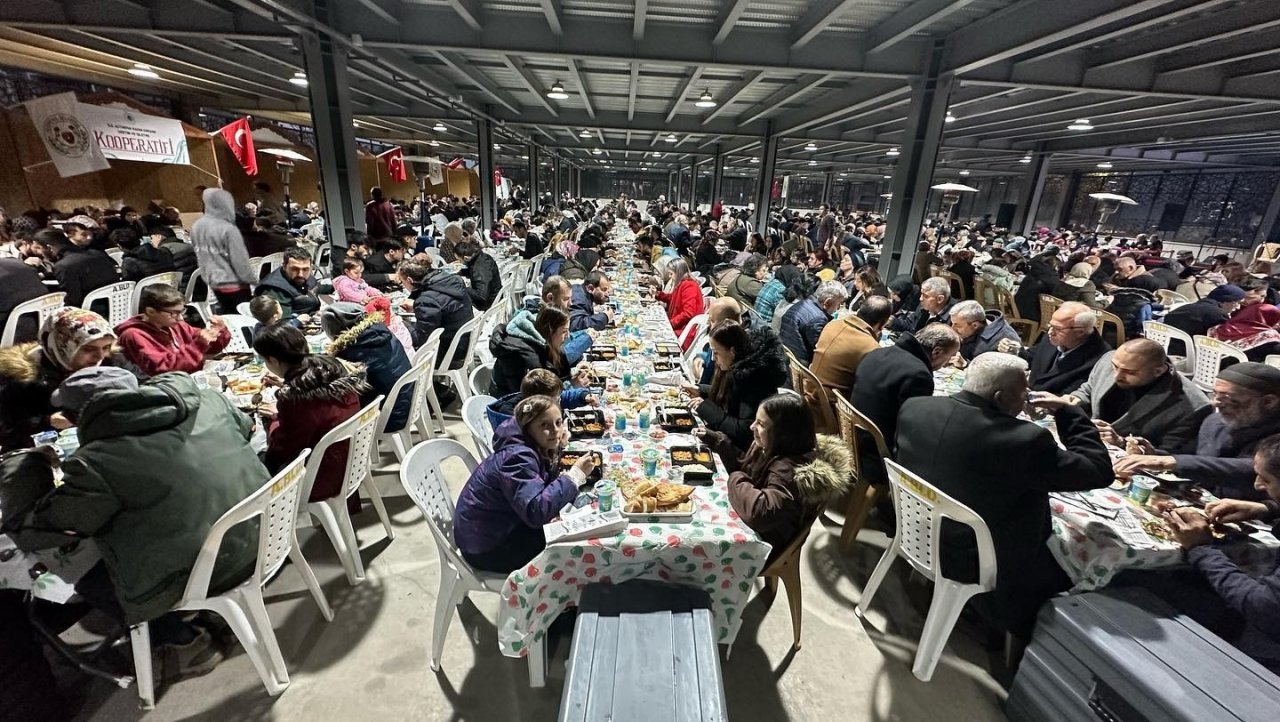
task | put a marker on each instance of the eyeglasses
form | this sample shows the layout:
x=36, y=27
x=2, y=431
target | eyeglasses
x=171, y=312
x=1064, y=329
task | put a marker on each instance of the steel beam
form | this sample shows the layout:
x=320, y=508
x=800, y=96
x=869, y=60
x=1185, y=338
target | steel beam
x=469, y=11
x=790, y=91
x=535, y=193
x=551, y=9
x=717, y=176
x=764, y=181
x=734, y=92
x=632, y=86
x=331, y=118
x=912, y=19
x=488, y=194
x=1024, y=216
x=530, y=81
x=818, y=19
x=728, y=18
x=638, y=20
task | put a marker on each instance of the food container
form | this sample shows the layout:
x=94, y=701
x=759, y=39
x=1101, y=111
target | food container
x=586, y=423
x=697, y=463
x=602, y=353
x=678, y=420
x=1140, y=488
x=569, y=457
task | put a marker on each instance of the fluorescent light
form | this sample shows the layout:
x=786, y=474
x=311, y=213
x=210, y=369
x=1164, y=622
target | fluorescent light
x=843, y=175
x=705, y=100
x=813, y=162
x=143, y=71
x=557, y=92
x=811, y=147
x=1104, y=165
x=755, y=160
x=596, y=151
x=1025, y=159
x=585, y=133
x=524, y=157
x=950, y=118
x=671, y=137
x=892, y=151
x=434, y=143
x=1080, y=124
x=964, y=172
x=888, y=176
x=439, y=127
x=299, y=78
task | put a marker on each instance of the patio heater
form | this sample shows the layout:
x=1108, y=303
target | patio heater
x=1108, y=204
x=951, y=196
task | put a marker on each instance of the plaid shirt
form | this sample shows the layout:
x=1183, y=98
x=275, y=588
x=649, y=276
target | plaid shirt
x=768, y=299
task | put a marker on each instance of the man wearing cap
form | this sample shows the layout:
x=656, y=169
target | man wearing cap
x=1247, y=396
x=1197, y=318
x=157, y=466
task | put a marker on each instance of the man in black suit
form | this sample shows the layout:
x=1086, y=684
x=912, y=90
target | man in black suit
x=889, y=376
x=973, y=447
x=1065, y=356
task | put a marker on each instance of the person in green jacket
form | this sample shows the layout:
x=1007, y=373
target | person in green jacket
x=156, y=467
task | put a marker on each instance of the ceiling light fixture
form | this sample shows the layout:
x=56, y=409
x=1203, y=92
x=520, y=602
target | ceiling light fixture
x=585, y=133
x=671, y=138
x=439, y=127
x=888, y=176
x=964, y=172
x=813, y=162
x=557, y=92
x=1080, y=124
x=1104, y=165
x=299, y=78
x=596, y=151
x=843, y=175
x=143, y=71
x=950, y=118
x=705, y=100
x=1025, y=159
x=755, y=160
x=811, y=147
x=893, y=151
x=434, y=143
x=524, y=157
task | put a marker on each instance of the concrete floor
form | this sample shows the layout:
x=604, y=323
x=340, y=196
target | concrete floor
x=372, y=660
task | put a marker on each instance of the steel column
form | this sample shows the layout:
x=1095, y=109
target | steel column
x=534, y=196
x=331, y=117
x=693, y=186
x=828, y=181
x=764, y=181
x=488, y=194
x=555, y=179
x=1268, y=229
x=1024, y=217
x=717, y=175
x=914, y=173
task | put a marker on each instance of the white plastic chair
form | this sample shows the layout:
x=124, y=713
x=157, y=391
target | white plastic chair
x=1163, y=334
x=424, y=481
x=43, y=306
x=1209, y=355
x=269, y=263
x=479, y=380
x=243, y=608
x=690, y=356
x=920, y=508
x=119, y=297
x=469, y=333
x=477, y=422
x=430, y=351
x=401, y=441
x=241, y=328
x=332, y=512
x=693, y=328
x=242, y=308
x=1273, y=360
x=169, y=278
x=116, y=254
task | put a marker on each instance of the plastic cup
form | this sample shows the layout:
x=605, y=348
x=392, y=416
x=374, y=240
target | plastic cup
x=605, y=493
x=626, y=379
x=650, y=459
x=644, y=420
x=1140, y=488
x=620, y=422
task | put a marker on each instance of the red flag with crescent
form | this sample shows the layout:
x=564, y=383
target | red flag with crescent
x=395, y=164
x=497, y=177
x=456, y=163
x=239, y=138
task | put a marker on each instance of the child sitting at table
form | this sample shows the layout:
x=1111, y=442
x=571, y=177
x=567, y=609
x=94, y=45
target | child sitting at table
x=266, y=310
x=518, y=489
x=538, y=382
x=351, y=286
x=787, y=475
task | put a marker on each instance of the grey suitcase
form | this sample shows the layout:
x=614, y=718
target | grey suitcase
x=1123, y=655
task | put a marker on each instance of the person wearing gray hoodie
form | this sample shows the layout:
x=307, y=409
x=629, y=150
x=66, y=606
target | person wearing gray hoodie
x=224, y=260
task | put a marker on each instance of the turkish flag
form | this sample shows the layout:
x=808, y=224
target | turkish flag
x=457, y=163
x=395, y=164
x=239, y=138
x=497, y=177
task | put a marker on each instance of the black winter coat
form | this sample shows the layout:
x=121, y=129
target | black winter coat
x=1063, y=377
x=485, y=280
x=385, y=361
x=380, y=272
x=292, y=300
x=1197, y=318
x=886, y=378
x=1040, y=278
x=752, y=379
x=19, y=283
x=441, y=301
x=145, y=260
x=518, y=349
x=82, y=270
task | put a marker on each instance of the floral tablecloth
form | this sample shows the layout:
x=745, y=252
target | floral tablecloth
x=50, y=574
x=715, y=551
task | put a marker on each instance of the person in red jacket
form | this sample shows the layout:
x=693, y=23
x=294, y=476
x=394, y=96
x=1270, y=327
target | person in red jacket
x=318, y=393
x=684, y=300
x=158, y=340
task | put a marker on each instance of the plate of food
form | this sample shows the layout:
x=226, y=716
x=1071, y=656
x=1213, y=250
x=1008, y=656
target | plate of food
x=602, y=353
x=569, y=457
x=651, y=500
x=586, y=423
x=668, y=349
x=244, y=387
x=681, y=421
x=666, y=364
x=696, y=461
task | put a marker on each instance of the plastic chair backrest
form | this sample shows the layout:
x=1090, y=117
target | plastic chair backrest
x=243, y=309
x=957, y=285
x=359, y=430
x=1272, y=360
x=193, y=283
x=170, y=278
x=920, y=508
x=277, y=503
x=424, y=481
x=851, y=421
x=1048, y=304
x=119, y=297
x=807, y=382
x=418, y=396
x=1168, y=298
x=469, y=331
x=270, y=263
x=1004, y=302
x=43, y=306
x=116, y=254
x=241, y=328
x=1105, y=318
x=1163, y=334
x=693, y=328
x=984, y=293
x=430, y=349
x=479, y=380
x=1209, y=355
x=477, y=422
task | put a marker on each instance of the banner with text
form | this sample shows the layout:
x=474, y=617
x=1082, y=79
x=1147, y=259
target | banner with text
x=129, y=135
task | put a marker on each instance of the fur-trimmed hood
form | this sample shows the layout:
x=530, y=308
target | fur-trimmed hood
x=353, y=335
x=827, y=476
x=19, y=364
x=324, y=378
x=765, y=365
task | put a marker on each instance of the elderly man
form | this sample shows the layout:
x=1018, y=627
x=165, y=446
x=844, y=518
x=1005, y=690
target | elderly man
x=1065, y=356
x=1197, y=318
x=1131, y=274
x=593, y=290
x=847, y=341
x=1247, y=396
x=980, y=330
x=1135, y=392
x=935, y=307
x=973, y=447
x=889, y=376
x=803, y=323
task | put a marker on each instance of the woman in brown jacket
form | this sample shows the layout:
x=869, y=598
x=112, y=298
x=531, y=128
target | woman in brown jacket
x=781, y=484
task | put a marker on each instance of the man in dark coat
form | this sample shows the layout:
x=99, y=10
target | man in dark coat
x=583, y=299
x=935, y=307
x=292, y=286
x=439, y=299
x=19, y=283
x=1064, y=357
x=1198, y=317
x=1041, y=277
x=889, y=376
x=380, y=266
x=78, y=270
x=379, y=216
x=140, y=259
x=973, y=447
x=533, y=243
x=482, y=270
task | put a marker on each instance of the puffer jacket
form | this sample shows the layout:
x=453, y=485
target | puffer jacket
x=155, y=469
x=441, y=301
x=28, y=379
x=780, y=497
x=752, y=379
x=372, y=345
x=517, y=349
x=1134, y=307
x=516, y=485
x=485, y=280
x=1041, y=278
x=311, y=403
x=184, y=259
x=145, y=260
x=801, y=328
x=219, y=246
x=292, y=300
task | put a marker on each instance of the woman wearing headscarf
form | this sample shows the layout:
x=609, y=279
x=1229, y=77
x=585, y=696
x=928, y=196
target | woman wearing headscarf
x=453, y=235
x=1077, y=286
x=1252, y=329
x=70, y=340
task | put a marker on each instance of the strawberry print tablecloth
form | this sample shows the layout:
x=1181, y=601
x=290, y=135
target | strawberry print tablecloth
x=50, y=574
x=715, y=551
